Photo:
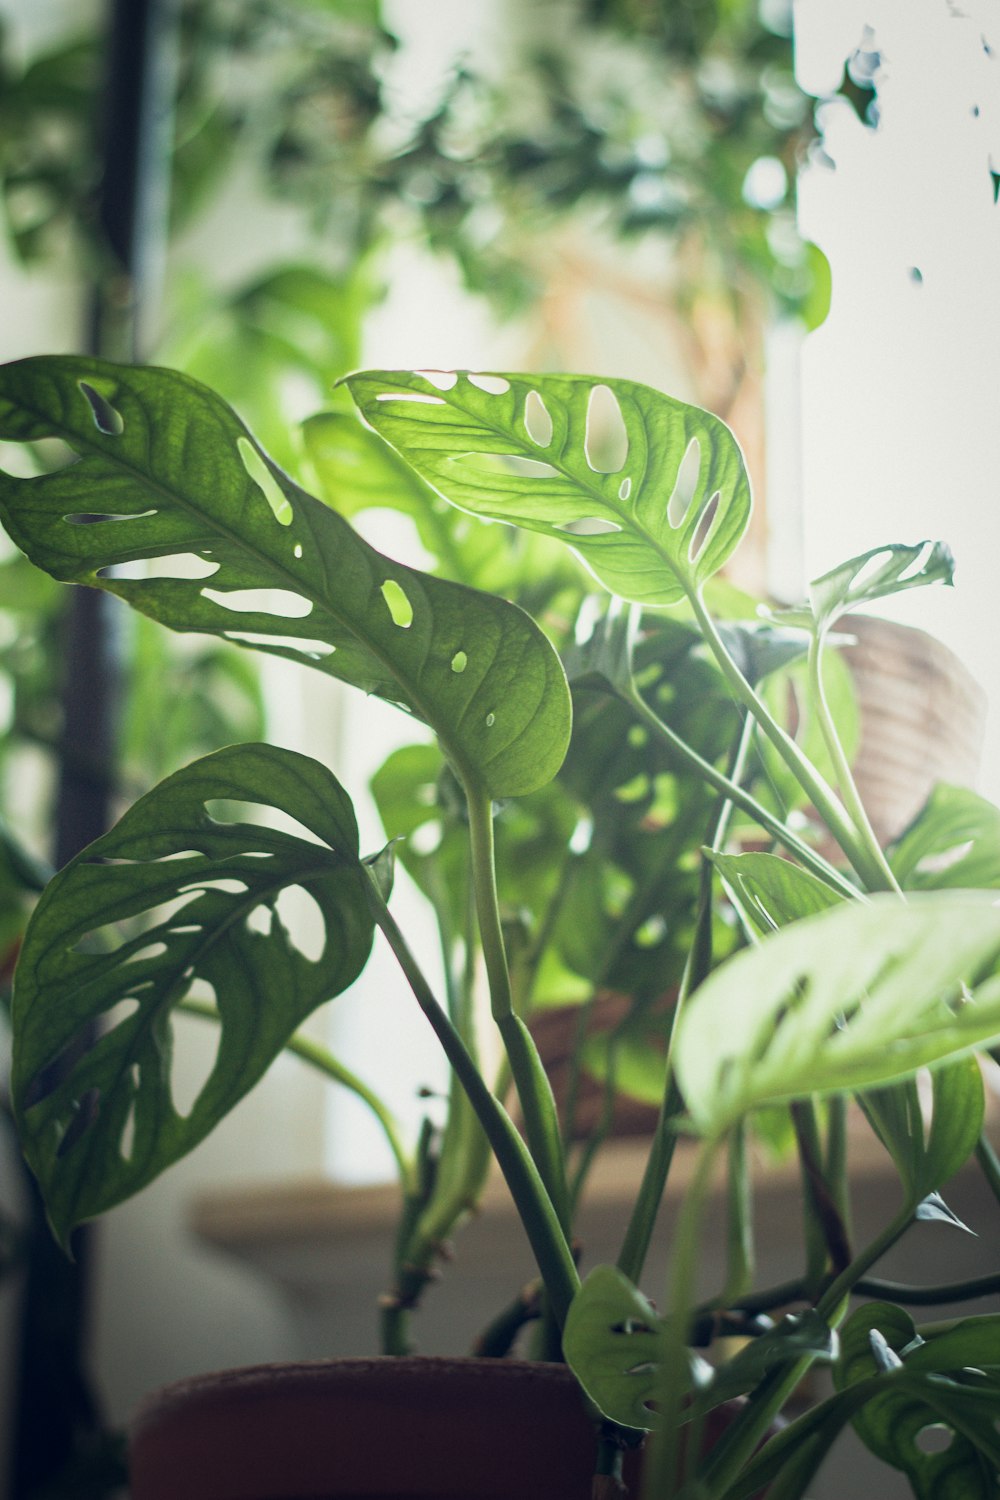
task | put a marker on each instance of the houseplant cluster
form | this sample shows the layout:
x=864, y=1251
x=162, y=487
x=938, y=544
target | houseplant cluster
x=637, y=788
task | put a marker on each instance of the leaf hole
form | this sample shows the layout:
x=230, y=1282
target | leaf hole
x=89, y=518
x=590, y=526
x=493, y=385
x=228, y=885
x=263, y=816
x=176, y=565
x=506, y=465
x=537, y=420
x=704, y=527
x=490, y=720
x=625, y=488
x=606, y=442
x=107, y=418
x=196, y=1052
x=297, y=550
x=427, y=838
x=459, y=662
x=418, y=398
x=151, y=950
x=443, y=380
x=126, y=1141
x=685, y=484
x=261, y=920
x=398, y=603
x=261, y=475
x=282, y=603
x=936, y=1438
x=283, y=645
x=299, y=913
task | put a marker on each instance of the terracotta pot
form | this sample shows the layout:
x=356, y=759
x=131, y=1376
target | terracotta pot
x=382, y=1429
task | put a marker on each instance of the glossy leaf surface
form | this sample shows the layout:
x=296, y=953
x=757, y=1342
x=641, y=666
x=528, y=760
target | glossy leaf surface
x=853, y=998
x=771, y=891
x=176, y=902
x=651, y=493
x=612, y=1343
x=168, y=472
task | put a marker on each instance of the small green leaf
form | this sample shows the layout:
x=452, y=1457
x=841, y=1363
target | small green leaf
x=651, y=494
x=611, y=1342
x=796, y=1336
x=877, y=574
x=170, y=476
x=854, y=998
x=954, y=841
x=176, y=901
x=772, y=891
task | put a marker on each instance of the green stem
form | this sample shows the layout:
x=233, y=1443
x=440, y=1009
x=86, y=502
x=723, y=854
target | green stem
x=990, y=1164
x=531, y=1199
x=660, y=1476
x=534, y=1091
x=319, y=1057
x=790, y=841
x=842, y=1285
x=844, y=775
x=822, y=796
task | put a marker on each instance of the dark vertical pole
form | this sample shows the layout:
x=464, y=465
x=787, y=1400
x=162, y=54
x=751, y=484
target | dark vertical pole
x=58, y=1428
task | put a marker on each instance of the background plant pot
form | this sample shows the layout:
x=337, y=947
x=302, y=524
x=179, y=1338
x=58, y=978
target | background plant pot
x=373, y=1429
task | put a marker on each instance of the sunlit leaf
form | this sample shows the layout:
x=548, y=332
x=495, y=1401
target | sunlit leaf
x=853, y=998
x=177, y=901
x=773, y=892
x=651, y=493
x=954, y=841
x=169, y=472
x=872, y=575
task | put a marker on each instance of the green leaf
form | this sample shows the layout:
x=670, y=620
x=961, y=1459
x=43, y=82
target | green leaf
x=854, y=998
x=948, y=1387
x=796, y=1336
x=611, y=1342
x=872, y=575
x=926, y=1155
x=652, y=494
x=176, y=900
x=954, y=841
x=771, y=891
x=169, y=472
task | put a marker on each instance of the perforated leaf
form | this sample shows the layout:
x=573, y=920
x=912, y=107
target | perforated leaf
x=174, y=902
x=954, y=841
x=651, y=493
x=872, y=575
x=612, y=1342
x=168, y=472
x=927, y=1153
x=936, y=1418
x=853, y=998
x=771, y=891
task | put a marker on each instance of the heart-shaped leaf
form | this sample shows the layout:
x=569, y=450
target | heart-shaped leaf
x=174, y=902
x=854, y=998
x=168, y=474
x=652, y=494
x=611, y=1342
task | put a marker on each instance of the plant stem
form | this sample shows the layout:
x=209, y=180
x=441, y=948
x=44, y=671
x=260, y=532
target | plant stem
x=822, y=796
x=843, y=1284
x=661, y=1471
x=845, y=777
x=778, y=830
x=531, y=1199
x=534, y=1091
x=319, y=1057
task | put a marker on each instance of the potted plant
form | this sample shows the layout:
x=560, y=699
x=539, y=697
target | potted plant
x=658, y=834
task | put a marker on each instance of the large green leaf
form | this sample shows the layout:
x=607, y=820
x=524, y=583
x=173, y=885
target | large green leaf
x=176, y=902
x=853, y=998
x=936, y=1419
x=654, y=504
x=167, y=471
x=954, y=841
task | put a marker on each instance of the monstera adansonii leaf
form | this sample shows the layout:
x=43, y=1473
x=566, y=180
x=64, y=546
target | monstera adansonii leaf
x=853, y=998
x=174, y=507
x=185, y=897
x=651, y=493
